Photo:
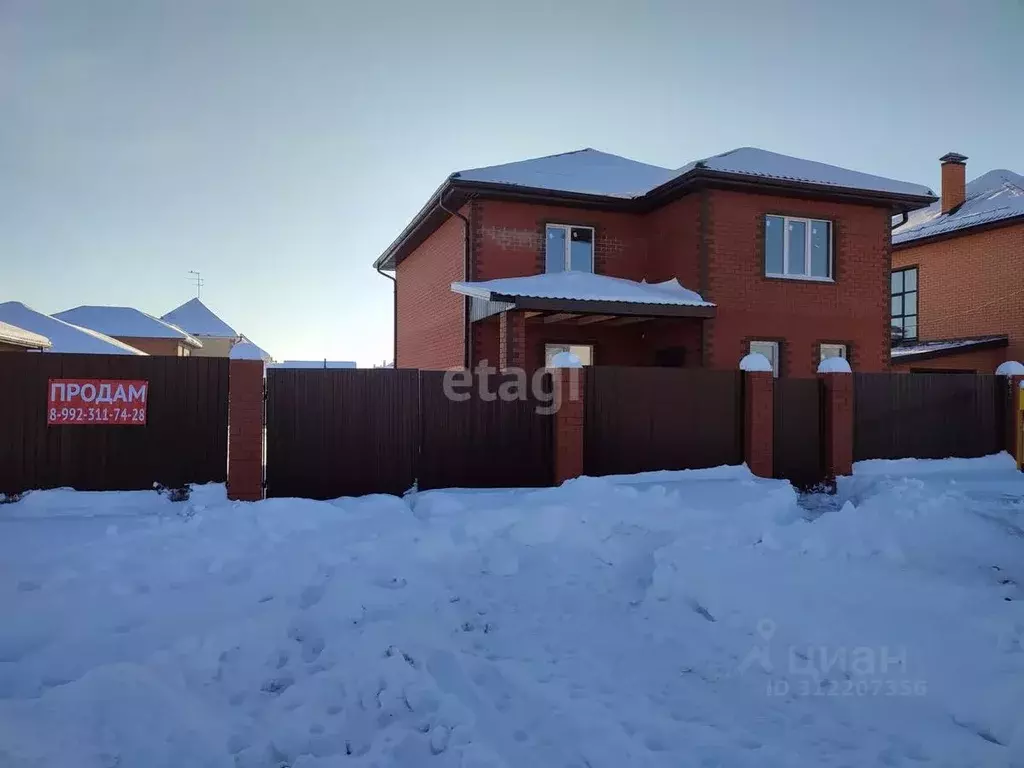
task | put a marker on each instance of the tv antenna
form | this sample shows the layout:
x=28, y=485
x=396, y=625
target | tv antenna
x=197, y=280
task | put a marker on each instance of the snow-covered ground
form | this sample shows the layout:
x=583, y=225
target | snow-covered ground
x=673, y=619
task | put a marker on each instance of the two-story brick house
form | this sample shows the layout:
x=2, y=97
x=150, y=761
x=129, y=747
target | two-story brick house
x=958, y=275
x=632, y=264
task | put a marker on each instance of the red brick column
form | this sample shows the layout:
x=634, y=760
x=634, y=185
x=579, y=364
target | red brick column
x=758, y=422
x=511, y=340
x=838, y=412
x=1015, y=426
x=245, y=436
x=568, y=428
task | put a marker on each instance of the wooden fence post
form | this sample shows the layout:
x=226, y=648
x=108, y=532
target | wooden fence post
x=245, y=435
x=758, y=422
x=569, y=418
x=838, y=412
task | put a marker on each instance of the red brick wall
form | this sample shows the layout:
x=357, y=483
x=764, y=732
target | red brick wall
x=673, y=233
x=970, y=285
x=510, y=239
x=430, y=315
x=979, y=361
x=853, y=310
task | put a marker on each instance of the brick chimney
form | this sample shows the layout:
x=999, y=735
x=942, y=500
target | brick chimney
x=954, y=180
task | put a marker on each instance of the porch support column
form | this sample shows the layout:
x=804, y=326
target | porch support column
x=512, y=340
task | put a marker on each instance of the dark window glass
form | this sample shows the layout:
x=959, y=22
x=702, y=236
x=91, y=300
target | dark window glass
x=904, y=304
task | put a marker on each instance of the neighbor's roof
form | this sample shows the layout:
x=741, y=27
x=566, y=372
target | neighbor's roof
x=314, y=364
x=246, y=350
x=63, y=336
x=922, y=350
x=995, y=196
x=582, y=286
x=196, y=318
x=125, y=321
x=589, y=176
x=19, y=337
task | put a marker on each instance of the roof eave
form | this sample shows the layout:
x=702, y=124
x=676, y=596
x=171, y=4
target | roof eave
x=603, y=307
x=968, y=230
x=929, y=354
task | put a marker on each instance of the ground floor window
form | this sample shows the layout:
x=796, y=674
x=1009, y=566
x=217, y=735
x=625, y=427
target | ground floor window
x=769, y=349
x=831, y=350
x=585, y=352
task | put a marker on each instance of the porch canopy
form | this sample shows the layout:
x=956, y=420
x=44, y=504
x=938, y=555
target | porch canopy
x=567, y=295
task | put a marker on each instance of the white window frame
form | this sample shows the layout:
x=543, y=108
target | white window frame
x=565, y=347
x=807, y=249
x=829, y=345
x=774, y=359
x=567, y=259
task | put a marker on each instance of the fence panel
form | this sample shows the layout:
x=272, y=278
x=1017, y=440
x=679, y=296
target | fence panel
x=341, y=432
x=184, y=439
x=799, y=450
x=483, y=444
x=642, y=419
x=928, y=415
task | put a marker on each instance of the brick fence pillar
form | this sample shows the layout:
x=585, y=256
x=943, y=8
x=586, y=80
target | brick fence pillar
x=511, y=340
x=1015, y=419
x=568, y=427
x=758, y=422
x=245, y=425
x=837, y=394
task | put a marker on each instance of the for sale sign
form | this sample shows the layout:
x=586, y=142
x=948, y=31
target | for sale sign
x=96, y=401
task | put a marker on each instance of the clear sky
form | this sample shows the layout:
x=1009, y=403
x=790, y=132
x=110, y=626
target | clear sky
x=279, y=147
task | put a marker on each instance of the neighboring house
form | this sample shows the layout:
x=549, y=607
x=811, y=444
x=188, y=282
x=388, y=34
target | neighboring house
x=321, y=364
x=15, y=339
x=625, y=263
x=195, y=317
x=64, y=337
x=135, y=328
x=958, y=275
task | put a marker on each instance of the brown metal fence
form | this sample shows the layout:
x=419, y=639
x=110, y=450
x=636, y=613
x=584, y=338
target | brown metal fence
x=184, y=439
x=798, y=429
x=640, y=419
x=928, y=415
x=478, y=443
x=334, y=433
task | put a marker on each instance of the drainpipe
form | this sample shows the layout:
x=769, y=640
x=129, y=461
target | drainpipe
x=467, y=337
x=394, y=316
x=903, y=220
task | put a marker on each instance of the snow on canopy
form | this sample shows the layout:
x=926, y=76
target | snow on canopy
x=63, y=336
x=583, y=286
x=125, y=321
x=755, y=362
x=993, y=196
x=588, y=171
x=246, y=350
x=196, y=318
x=834, y=365
x=12, y=334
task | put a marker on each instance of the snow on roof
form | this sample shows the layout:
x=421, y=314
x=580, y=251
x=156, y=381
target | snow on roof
x=588, y=171
x=63, y=336
x=944, y=345
x=196, y=318
x=19, y=337
x=125, y=321
x=993, y=196
x=751, y=161
x=583, y=286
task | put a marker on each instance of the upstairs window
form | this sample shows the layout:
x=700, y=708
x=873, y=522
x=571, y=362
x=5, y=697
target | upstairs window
x=904, y=304
x=568, y=247
x=797, y=248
